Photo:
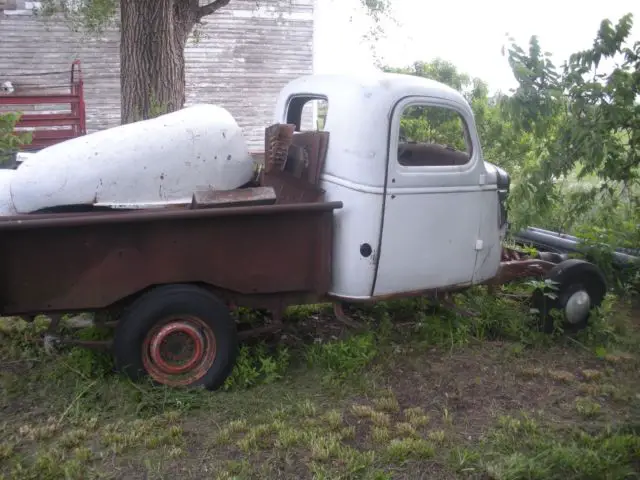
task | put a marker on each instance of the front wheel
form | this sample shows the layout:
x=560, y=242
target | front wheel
x=580, y=287
x=179, y=335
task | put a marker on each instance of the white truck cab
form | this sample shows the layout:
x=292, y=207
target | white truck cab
x=422, y=209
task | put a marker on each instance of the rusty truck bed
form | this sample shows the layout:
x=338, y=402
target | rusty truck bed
x=90, y=261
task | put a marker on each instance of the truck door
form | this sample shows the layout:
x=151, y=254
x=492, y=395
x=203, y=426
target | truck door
x=432, y=201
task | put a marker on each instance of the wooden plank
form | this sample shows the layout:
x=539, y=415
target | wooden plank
x=232, y=198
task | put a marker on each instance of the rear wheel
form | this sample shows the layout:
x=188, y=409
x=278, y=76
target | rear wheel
x=179, y=335
x=580, y=287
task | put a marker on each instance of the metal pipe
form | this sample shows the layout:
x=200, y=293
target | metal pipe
x=568, y=243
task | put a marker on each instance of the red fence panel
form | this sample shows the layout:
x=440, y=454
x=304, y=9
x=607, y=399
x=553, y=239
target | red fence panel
x=52, y=126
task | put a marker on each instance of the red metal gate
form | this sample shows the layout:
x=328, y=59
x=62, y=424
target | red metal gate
x=64, y=119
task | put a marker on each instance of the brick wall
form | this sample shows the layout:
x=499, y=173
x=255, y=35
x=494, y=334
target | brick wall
x=243, y=56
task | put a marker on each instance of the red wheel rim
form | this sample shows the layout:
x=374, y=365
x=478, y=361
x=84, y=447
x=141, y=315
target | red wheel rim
x=189, y=334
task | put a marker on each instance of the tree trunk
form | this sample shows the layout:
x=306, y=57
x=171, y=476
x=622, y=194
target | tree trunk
x=152, y=41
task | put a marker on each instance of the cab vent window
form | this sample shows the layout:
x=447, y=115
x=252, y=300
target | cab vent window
x=432, y=136
x=307, y=112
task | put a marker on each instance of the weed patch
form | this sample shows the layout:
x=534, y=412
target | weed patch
x=519, y=448
x=344, y=358
x=256, y=366
x=399, y=451
x=416, y=417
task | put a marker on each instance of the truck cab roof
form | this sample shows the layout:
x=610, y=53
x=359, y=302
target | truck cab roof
x=385, y=86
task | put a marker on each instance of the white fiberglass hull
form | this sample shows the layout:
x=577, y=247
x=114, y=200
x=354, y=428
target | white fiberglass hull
x=152, y=162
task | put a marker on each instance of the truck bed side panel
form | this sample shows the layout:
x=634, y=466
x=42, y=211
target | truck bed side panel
x=89, y=262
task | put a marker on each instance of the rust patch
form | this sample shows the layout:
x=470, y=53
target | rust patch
x=169, y=368
x=292, y=163
x=278, y=138
x=517, y=269
x=89, y=261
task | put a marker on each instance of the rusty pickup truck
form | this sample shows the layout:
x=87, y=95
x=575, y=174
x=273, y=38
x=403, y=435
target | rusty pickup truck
x=369, y=207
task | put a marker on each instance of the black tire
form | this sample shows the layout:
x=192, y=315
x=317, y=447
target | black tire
x=571, y=276
x=150, y=311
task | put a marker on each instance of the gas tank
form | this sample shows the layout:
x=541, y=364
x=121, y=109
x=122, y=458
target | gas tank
x=139, y=165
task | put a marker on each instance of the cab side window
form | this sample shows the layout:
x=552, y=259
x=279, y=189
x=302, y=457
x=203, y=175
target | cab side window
x=433, y=136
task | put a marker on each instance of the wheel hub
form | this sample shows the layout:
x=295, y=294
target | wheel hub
x=179, y=351
x=577, y=307
x=177, y=335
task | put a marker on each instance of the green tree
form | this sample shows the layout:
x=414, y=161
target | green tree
x=585, y=123
x=445, y=72
x=153, y=36
x=10, y=140
x=569, y=135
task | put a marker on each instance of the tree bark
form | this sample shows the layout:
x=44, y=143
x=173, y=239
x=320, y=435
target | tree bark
x=153, y=36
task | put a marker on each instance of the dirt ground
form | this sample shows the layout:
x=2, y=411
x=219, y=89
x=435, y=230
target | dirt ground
x=499, y=409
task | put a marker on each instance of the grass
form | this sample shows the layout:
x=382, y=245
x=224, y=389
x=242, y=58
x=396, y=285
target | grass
x=522, y=448
x=421, y=393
